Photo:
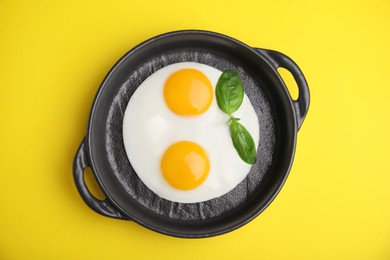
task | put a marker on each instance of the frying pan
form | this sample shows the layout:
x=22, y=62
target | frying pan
x=279, y=116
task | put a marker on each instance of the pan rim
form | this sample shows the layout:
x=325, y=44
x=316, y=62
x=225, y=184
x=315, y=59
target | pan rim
x=258, y=210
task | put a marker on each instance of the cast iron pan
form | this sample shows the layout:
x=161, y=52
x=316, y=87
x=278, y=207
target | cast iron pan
x=128, y=198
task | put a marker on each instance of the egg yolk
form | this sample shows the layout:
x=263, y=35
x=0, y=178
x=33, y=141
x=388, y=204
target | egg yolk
x=188, y=92
x=185, y=165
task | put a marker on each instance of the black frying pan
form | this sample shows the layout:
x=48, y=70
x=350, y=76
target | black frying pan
x=128, y=198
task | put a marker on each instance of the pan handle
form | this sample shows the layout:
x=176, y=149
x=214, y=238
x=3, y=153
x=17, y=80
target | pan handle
x=301, y=105
x=103, y=207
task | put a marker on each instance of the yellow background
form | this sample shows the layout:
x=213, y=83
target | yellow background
x=335, y=203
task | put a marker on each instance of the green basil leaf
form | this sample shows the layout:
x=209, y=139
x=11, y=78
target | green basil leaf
x=243, y=142
x=229, y=91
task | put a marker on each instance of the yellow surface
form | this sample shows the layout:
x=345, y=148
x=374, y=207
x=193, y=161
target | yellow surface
x=335, y=204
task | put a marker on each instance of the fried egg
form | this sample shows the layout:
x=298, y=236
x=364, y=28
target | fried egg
x=177, y=139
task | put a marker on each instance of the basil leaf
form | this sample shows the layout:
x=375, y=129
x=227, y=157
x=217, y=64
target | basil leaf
x=243, y=142
x=229, y=91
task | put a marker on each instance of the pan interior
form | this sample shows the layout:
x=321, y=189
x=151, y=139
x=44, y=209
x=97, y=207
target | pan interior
x=122, y=185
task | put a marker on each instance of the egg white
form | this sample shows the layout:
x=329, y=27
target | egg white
x=150, y=127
